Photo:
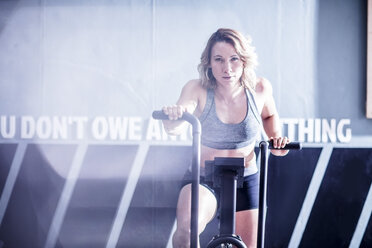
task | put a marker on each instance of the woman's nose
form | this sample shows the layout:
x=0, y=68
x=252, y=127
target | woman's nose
x=227, y=67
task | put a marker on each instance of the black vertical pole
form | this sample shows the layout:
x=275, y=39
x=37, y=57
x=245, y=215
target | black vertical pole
x=262, y=194
x=194, y=237
x=228, y=202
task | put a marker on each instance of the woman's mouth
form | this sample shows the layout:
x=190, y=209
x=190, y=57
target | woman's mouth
x=227, y=77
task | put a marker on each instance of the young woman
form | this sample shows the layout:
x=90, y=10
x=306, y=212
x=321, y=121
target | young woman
x=232, y=105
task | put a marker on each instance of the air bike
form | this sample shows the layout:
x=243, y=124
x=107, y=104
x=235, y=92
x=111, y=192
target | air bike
x=227, y=174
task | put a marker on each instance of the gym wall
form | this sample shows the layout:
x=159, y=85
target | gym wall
x=82, y=164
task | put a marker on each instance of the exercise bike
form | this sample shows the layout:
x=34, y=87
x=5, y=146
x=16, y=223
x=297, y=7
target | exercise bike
x=227, y=174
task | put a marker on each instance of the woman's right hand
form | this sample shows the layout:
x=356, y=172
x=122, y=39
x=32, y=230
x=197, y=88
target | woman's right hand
x=174, y=112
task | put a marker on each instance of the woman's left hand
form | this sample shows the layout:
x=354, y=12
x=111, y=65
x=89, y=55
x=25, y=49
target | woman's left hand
x=279, y=143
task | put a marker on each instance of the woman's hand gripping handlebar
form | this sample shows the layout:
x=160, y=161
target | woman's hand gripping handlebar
x=190, y=118
x=289, y=146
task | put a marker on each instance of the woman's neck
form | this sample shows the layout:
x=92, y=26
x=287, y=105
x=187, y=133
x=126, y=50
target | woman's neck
x=229, y=94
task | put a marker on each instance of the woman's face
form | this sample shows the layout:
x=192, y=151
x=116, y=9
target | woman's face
x=227, y=67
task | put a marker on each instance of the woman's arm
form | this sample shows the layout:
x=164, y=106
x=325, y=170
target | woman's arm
x=187, y=102
x=270, y=118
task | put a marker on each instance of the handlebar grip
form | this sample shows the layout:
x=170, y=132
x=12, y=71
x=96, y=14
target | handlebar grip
x=190, y=118
x=159, y=115
x=289, y=146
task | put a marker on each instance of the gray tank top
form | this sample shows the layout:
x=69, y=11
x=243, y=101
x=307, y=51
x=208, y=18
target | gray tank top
x=219, y=135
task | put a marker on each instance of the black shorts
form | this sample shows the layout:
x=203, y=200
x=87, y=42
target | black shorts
x=246, y=197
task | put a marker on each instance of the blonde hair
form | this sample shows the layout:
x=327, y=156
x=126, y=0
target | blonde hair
x=242, y=47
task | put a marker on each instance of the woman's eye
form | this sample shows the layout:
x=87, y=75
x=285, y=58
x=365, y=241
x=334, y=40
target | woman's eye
x=234, y=59
x=218, y=59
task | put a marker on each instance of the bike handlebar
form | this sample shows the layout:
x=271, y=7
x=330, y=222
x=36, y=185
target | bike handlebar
x=190, y=118
x=289, y=146
x=159, y=115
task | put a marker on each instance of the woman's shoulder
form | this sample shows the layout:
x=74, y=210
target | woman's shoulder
x=263, y=87
x=262, y=92
x=194, y=88
x=194, y=84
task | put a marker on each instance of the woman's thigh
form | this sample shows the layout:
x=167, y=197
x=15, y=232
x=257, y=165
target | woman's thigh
x=207, y=207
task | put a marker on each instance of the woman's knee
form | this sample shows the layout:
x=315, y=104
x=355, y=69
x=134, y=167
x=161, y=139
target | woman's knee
x=184, y=224
x=207, y=203
x=207, y=210
x=181, y=238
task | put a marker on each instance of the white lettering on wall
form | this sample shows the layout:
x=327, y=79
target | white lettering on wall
x=306, y=128
x=153, y=131
x=60, y=127
x=44, y=127
x=118, y=127
x=79, y=125
x=318, y=130
x=56, y=127
x=344, y=133
x=8, y=127
x=122, y=128
x=135, y=132
x=27, y=127
x=99, y=128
